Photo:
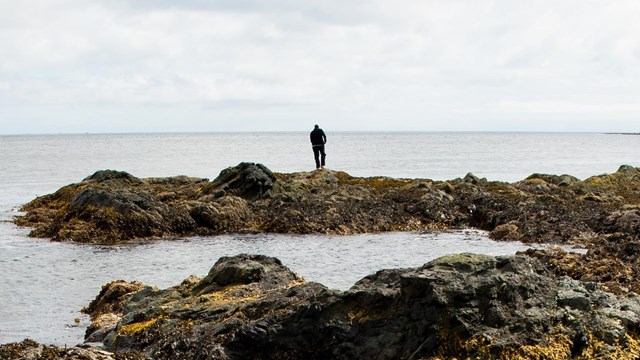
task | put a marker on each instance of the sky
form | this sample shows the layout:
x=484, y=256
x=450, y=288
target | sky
x=111, y=66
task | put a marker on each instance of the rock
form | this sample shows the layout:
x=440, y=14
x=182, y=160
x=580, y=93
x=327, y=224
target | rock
x=463, y=306
x=446, y=187
x=507, y=231
x=104, y=199
x=573, y=299
x=105, y=175
x=112, y=297
x=246, y=269
x=628, y=169
x=593, y=197
x=624, y=220
x=228, y=214
x=31, y=350
x=100, y=327
x=558, y=180
x=470, y=178
x=248, y=180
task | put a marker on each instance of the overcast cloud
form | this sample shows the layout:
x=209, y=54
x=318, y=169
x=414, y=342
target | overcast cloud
x=249, y=65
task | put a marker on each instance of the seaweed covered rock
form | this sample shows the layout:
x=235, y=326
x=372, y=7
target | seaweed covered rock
x=112, y=206
x=107, y=307
x=463, y=306
x=245, y=180
x=227, y=214
x=106, y=175
x=31, y=350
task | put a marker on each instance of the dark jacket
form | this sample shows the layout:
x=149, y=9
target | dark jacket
x=318, y=137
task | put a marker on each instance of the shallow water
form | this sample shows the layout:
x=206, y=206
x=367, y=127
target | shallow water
x=45, y=284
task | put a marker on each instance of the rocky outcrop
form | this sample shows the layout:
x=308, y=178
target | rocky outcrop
x=246, y=180
x=463, y=306
x=112, y=206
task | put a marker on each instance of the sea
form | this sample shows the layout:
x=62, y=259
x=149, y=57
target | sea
x=44, y=285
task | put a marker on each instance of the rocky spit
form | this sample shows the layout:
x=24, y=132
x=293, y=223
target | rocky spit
x=541, y=304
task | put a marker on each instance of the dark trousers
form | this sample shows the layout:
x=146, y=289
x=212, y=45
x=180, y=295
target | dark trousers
x=317, y=151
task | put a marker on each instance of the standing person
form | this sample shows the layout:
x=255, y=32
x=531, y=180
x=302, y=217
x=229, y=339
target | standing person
x=318, y=139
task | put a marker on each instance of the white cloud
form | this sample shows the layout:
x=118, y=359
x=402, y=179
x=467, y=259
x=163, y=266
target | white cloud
x=357, y=65
x=565, y=107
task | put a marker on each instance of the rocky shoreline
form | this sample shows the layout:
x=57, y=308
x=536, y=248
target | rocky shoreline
x=542, y=304
x=457, y=306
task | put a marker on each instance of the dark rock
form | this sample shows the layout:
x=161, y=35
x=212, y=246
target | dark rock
x=558, y=180
x=248, y=180
x=470, y=178
x=463, y=306
x=104, y=175
x=628, y=169
x=245, y=269
x=626, y=220
x=228, y=214
x=121, y=202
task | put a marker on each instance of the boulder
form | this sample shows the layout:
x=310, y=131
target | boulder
x=507, y=231
x=106, y=175
x=112, y=297
x=249, y=180
x=625, y=220
x=227, y=214
x=558, y=180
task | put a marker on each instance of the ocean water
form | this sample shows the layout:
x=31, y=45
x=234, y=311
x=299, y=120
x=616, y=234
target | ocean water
x=43, y=285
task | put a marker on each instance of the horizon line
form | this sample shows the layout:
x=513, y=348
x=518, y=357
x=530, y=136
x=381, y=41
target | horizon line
x=335, y=131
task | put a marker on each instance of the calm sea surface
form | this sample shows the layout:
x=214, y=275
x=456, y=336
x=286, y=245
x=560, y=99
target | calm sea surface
x=43, y=285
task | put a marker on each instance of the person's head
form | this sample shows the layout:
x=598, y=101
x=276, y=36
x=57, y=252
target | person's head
x=316, y=126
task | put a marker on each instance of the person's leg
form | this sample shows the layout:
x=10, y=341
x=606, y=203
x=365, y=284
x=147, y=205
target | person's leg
x=323, y=155
x=316, y=156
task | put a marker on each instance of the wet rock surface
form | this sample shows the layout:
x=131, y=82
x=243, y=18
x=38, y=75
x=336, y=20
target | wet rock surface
x=111, y=206
x=462, y=305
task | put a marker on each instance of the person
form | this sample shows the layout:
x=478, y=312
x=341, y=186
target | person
x=318, y=139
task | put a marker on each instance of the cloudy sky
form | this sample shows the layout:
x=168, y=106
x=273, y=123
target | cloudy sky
x=75, y=66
